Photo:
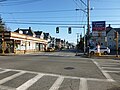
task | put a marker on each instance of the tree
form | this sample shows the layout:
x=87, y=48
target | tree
x=80, y=45
x=2, y=26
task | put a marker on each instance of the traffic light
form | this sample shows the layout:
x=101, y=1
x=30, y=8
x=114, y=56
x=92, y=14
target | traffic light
x=69, y=30
x=57, y=29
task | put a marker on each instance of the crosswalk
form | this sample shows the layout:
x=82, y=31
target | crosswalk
x=110, y=68
x=11, y=79
x=110, y=65
x=56, y=54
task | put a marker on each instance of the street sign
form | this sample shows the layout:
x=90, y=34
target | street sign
x=98, y=33
x=98, y=26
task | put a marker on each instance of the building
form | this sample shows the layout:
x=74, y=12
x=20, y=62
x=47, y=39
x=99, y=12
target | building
x=111, y=42
x=40, y=34
x=19, y=42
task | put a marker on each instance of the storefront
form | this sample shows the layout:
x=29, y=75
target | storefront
x=20, y=43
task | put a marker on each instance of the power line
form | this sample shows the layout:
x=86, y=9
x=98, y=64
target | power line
x=17, y=2
x=52, y=11
x=21, y=20
x=106, y=8
x=83, y=2
x=38, y=23
x=35, y=23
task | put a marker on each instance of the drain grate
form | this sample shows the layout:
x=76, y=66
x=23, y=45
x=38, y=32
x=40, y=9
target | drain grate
x=69, y=68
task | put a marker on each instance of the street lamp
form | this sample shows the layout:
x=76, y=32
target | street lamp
x=88, y=18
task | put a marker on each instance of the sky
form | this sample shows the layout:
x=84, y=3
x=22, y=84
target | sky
x=46, y=15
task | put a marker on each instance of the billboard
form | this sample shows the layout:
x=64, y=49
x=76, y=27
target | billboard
x=99, y=33
x=98, y=26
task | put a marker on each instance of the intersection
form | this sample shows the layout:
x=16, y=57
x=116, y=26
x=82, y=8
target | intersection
x=58, y=71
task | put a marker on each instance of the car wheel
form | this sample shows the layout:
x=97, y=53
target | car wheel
x=105, y=53
x=91, y=53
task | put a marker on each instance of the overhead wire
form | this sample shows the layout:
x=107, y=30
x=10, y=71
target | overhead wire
x=17, y=2
x=37, y=23
x=52, y=11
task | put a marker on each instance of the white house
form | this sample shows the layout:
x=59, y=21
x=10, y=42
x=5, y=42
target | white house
x=111, y=43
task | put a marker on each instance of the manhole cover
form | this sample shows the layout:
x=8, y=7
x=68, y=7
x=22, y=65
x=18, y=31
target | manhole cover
x=69, y=68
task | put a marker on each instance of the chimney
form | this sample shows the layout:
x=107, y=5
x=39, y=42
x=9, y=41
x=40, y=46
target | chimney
x=29, y=28
x=109, y=25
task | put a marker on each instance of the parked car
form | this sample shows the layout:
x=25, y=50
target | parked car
x=49, y=49
x=103, y=50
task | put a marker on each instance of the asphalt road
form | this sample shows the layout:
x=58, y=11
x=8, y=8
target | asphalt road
x=58, y=71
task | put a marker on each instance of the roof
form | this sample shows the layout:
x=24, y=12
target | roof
x=117, y=30
x=46, y=35
x=38, y=32
x=108, y=28
x=25, y=31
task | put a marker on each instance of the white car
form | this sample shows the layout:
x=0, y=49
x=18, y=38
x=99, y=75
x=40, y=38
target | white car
x=104, y=50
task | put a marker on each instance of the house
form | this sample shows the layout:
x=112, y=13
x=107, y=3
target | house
x=58, y=43
x=26, y=31
x=48, y=38
x=111, y=43
x=52, y=42
x=108, y=39
x=40, y=34
x=21, y=43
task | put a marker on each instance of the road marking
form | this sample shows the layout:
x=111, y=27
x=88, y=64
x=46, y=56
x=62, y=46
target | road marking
x=6, y=88
x=30, y=82
x=57, y=83
x=83, y=84
x=109, y=65
x=111, y=68
x=11, y=77
x=4, y=71
x=112, y=71
x=57, y=75
x=104, y=73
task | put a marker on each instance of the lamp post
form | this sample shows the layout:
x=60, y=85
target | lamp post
x=88, y=19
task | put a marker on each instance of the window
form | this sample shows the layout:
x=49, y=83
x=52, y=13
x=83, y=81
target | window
x=29, y=43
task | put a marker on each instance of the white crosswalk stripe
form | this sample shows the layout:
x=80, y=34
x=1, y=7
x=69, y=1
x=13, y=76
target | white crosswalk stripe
x=38, y=76
x=11, y=77
x=57, y=83
x=83, y=84
x=30, y=82
x=112, y=66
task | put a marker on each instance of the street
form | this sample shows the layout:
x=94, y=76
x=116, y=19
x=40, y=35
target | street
x=60, y=70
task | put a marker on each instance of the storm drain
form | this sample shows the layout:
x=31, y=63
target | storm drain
x=69, y=68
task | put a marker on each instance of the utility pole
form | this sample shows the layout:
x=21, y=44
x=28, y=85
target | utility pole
x=88, y=21
x=77, y=38
x=84, y=41
x=117, y=36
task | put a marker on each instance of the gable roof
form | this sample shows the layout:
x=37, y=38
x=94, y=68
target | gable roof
x=26, y=31
x=46, y=35
x=38, y=32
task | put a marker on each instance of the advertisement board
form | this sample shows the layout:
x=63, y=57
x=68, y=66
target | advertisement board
x=99, y=33
x=98, y=26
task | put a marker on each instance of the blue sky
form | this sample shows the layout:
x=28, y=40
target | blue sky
x=46, y=15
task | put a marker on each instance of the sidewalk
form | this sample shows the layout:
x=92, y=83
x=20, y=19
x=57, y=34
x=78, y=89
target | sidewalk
x=98, y=57
x=77, y=54
x=13, y=54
